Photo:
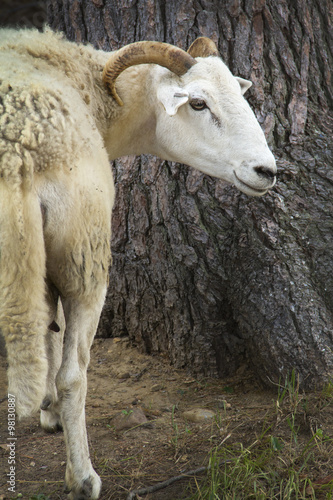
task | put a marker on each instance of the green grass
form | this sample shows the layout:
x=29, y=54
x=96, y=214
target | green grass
x=281, y=463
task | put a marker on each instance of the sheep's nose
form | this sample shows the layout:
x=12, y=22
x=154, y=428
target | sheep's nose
x=266, y=173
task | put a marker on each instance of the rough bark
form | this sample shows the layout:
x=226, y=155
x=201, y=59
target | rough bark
x=202, y=273
x=23, y=13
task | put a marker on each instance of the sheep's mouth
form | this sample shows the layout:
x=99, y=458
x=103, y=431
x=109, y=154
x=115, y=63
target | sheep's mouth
x=247, y=188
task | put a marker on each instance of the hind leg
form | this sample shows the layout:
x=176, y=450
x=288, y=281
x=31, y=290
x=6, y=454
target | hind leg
x=82, y=317
x=50, y=411
x=23, y=308
x=77, y=241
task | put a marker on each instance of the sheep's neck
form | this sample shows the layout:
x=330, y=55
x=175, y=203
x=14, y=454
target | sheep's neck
x=132, y=131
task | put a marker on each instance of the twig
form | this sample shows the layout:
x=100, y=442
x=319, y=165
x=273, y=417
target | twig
x=159, y=486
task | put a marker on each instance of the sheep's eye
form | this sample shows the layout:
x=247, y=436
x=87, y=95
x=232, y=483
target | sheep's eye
x=198, y=104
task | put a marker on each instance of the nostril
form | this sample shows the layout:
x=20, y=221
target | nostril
x=265, y=172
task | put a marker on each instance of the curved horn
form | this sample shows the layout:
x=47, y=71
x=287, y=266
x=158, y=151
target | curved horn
x=203, y=47
x=176, y=60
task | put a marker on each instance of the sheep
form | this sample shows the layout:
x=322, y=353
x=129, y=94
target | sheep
x=66, y=110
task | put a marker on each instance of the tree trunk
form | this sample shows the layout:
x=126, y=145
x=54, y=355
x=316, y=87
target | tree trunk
x=202, y=273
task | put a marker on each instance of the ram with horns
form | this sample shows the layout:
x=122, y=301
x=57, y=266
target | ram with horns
x=66, y=110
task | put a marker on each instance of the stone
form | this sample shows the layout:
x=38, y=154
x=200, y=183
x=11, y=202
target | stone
x=198, y=415
x=128, y=419
x=157, y=387
x=123, y=375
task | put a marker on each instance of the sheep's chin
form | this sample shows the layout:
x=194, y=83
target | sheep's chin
x=249, y=190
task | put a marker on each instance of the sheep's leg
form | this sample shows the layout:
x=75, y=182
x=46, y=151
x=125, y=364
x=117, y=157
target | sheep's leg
x=50, y=410
x=23, y=309
x=81, y=322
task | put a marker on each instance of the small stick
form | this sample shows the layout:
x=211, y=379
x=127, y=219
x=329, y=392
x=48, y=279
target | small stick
x=159, y=486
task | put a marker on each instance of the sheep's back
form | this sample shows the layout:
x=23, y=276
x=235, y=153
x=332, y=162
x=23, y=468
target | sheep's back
x=45, y=121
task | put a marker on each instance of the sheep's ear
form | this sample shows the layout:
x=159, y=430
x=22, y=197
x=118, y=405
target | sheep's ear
x=244, y=84
x=172, y=98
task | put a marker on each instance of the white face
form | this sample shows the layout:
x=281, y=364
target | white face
x=205, y=122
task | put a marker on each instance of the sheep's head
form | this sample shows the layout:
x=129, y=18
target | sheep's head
x=202, y=118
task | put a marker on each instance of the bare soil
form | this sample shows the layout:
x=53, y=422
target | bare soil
x=120, y=380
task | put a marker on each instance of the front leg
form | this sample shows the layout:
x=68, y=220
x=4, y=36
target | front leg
x=82, y=316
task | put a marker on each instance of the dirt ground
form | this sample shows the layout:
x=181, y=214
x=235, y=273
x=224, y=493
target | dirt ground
x=122, y=383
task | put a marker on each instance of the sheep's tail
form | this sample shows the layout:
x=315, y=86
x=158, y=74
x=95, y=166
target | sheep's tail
x=23, y=306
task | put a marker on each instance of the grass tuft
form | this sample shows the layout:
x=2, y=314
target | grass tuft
x=280, y=464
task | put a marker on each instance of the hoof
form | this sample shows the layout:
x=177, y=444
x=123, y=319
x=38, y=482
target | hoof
x=89, y=489
x=50, y=421
x=46, y=403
